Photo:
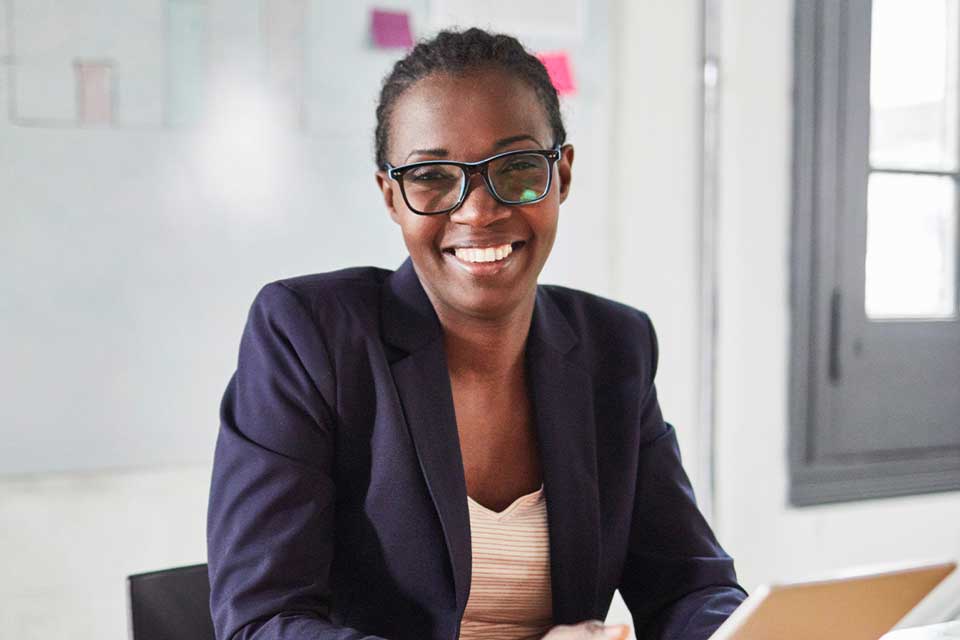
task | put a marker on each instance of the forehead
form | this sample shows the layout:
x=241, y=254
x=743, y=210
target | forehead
x=466, y=115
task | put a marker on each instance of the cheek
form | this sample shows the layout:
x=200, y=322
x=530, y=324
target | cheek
x=548, y=238
x=545, y=222
x=420, y=233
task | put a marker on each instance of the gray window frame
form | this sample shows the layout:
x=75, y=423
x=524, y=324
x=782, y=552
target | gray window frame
x=826, y=62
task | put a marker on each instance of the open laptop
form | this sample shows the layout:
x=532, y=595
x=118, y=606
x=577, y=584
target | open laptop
x=852, y=607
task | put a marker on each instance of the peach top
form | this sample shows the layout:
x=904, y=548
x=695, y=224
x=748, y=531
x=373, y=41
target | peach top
x=510, y=595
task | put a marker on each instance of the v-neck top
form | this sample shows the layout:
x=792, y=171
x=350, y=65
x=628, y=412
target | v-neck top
x=510, y=595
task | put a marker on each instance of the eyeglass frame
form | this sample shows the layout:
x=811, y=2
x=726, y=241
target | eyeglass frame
x=470, y=168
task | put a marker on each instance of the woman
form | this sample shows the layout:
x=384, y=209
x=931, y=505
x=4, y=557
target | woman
x=450, y=449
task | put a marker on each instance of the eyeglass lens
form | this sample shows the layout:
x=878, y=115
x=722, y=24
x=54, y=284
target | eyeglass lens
x=515, y=179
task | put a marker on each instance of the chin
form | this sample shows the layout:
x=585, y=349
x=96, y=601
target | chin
x=489, y=303
x=483, y=297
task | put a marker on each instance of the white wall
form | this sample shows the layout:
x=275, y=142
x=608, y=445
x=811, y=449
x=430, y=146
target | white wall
x=69, y=540
x=769, y=539
x=656, y=144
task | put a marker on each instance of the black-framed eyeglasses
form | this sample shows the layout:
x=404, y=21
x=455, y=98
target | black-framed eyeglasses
x=432, y=187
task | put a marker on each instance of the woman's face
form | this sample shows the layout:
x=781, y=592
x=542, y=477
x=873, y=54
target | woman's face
x=469, y=118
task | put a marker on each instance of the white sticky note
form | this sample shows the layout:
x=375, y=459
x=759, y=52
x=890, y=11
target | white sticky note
x=283, y=34
x=563, y=19
x=187, y=73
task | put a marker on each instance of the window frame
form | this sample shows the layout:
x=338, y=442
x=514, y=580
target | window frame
x=824, y=59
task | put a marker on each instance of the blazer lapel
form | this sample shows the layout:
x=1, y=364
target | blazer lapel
x=561, y=392
x=409, y=323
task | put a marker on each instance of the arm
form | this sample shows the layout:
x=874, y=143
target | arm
x=270, y=522
x=677, y=581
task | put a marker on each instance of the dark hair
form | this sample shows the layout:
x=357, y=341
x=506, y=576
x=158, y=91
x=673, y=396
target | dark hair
x=456, y=52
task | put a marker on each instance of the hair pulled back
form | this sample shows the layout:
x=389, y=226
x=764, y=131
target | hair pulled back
x=457, y=52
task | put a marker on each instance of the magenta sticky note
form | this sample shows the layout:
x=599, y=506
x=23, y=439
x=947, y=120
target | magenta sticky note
x=560, y=70
x=390, y=28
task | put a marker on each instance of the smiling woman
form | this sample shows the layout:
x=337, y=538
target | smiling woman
x=452, y=450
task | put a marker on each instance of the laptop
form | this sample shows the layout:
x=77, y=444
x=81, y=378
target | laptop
x=850, y=607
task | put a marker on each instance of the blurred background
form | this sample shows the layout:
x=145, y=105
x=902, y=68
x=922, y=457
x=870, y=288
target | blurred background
x=774, y=182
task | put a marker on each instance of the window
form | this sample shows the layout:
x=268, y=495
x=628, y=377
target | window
x=875, y=367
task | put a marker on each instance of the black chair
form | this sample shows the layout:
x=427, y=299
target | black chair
x=173, y=604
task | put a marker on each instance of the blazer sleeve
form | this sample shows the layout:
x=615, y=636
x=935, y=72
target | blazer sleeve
x=677, y=582
x=270, y=518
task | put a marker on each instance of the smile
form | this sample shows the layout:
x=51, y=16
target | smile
x=484, y=260
x=486, y=254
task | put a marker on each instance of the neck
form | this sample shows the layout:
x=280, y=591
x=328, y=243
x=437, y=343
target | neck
x=485, y=348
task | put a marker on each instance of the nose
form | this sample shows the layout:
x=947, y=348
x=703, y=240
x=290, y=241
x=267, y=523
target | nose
x=479, y=207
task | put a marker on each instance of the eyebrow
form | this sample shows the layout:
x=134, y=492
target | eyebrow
x=499, y=144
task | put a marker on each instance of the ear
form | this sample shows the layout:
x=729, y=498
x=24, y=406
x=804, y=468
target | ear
x=388, y=189
x=564, y=169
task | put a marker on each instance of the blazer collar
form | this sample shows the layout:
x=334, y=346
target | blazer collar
x=408, y=320
x=561, y=390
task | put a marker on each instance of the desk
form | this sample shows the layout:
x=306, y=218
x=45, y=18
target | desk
x=945, y=631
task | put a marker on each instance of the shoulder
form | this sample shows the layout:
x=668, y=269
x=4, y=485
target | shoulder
x=343, y=284
x=589, y=311
x=355, y=288
x=330, y=304
x=613, y=338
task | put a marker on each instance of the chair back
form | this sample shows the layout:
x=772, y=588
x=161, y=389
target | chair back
x=172, y=604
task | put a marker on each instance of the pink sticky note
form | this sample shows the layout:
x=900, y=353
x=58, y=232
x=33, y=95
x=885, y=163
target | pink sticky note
x=390, y=28
x=559, y=68
x=94, y=91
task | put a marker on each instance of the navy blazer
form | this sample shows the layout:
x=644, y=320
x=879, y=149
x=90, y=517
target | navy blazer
x=338, y=503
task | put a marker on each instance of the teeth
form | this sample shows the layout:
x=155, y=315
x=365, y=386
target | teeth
x=488, y=254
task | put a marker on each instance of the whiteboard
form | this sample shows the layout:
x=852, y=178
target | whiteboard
x=239, y=150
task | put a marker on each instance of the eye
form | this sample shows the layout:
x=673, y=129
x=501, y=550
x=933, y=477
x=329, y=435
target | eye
x=431, y=174
x=520, y=165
